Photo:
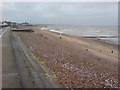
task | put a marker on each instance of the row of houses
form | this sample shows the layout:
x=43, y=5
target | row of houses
x=7, y=23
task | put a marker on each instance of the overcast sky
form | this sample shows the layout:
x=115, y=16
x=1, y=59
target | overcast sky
x=86, y=13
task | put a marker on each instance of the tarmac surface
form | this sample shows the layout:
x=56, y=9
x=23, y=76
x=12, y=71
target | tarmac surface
x=10, y=78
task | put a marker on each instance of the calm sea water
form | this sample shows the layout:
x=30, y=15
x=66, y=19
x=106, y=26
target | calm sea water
x=106, y=33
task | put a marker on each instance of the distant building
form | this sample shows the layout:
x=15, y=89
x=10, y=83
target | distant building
x=13, y=24
x=9, y=23
x=3, y=24
x=25, y=24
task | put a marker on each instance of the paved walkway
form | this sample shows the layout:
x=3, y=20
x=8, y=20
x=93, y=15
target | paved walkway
x=10, y=78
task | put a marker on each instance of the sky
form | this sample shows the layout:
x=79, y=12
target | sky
x=62, y=13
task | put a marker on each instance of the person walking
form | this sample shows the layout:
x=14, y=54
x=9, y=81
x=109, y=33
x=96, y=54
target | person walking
x=60, y=36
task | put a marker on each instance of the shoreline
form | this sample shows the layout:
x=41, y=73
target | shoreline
x=96, y=37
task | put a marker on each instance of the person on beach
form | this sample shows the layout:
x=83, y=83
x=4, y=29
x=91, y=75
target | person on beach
x=60, y=36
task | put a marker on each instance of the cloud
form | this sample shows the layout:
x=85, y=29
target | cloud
x=62, y=13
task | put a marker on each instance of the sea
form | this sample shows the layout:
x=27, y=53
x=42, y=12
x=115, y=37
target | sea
x=105, y=33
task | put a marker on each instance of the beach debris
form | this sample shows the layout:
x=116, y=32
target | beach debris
x=111, y=51
x=46, y=38
x=98, y=59
x=33, y=82
x=86, y=49
x=25, y=60
x=29, y=69
x=46, y=74
x=100, y=51
x=41, y=35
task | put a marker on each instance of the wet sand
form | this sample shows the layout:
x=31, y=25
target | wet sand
x=77, y=62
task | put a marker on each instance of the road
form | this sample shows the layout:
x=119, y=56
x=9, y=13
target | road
x=20, y=69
